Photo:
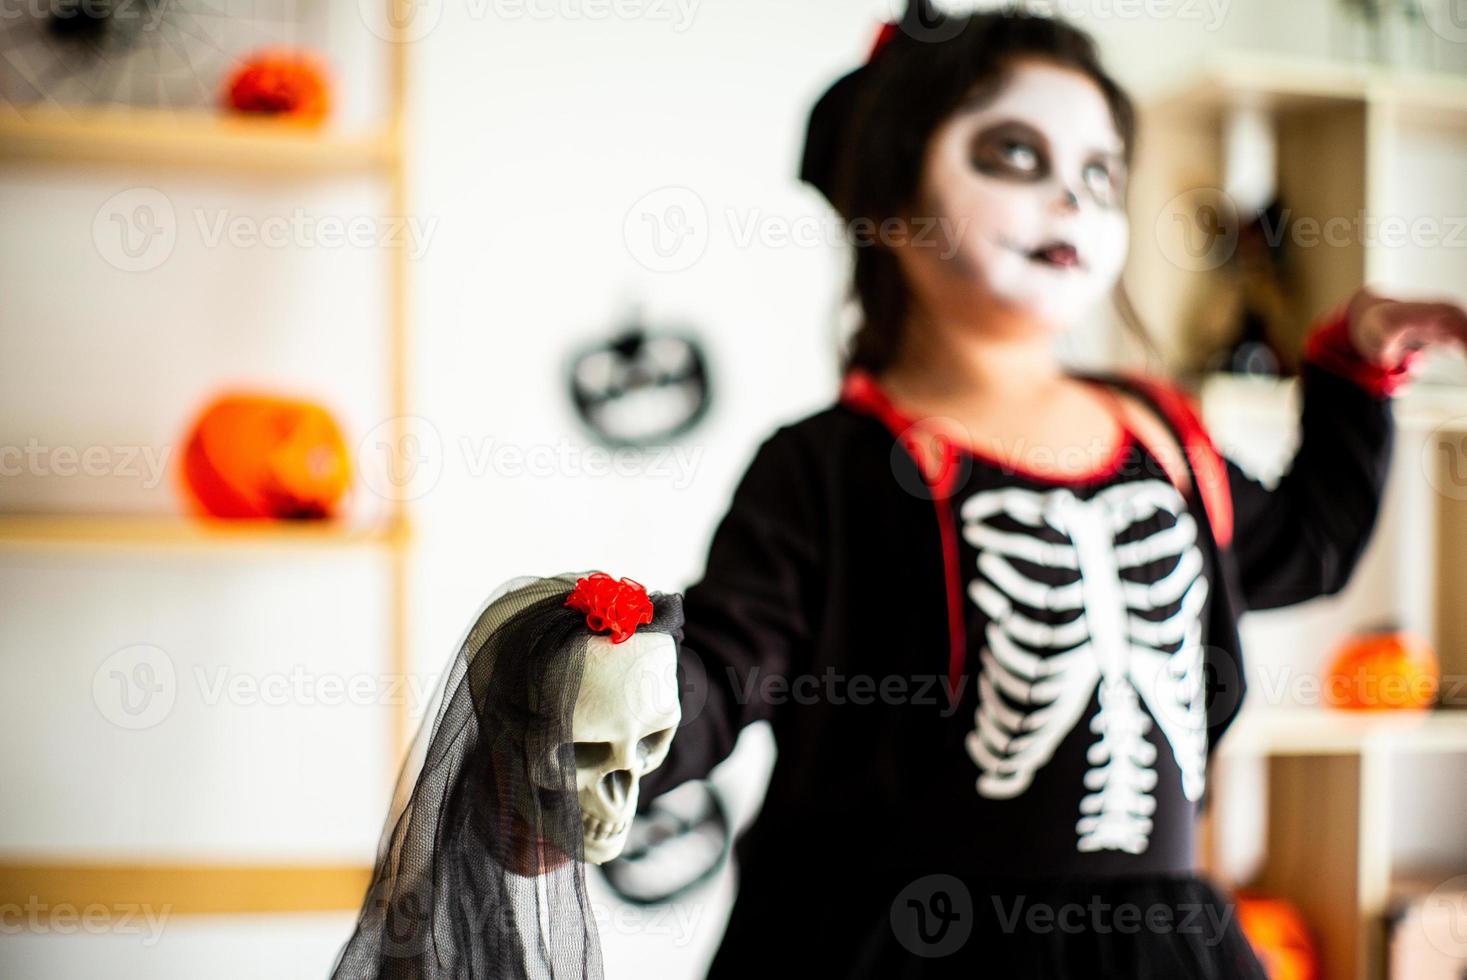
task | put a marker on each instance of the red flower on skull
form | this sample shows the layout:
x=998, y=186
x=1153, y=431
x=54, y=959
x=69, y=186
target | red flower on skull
x=614, y=606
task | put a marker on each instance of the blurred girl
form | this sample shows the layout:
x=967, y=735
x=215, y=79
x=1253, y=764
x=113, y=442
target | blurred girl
x=987, y=604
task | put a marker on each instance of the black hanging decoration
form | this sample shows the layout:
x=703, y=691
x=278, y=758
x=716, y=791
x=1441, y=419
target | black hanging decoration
x=642, y=386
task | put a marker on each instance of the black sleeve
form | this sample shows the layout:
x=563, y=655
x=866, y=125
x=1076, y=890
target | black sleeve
x=749, y=617
x=1302, y=538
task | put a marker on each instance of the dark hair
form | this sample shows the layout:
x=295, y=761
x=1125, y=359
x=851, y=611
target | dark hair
x=870, y=163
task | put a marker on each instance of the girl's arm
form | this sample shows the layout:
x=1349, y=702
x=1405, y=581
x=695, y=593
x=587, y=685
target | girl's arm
x=1303, y=538
x=748, y=619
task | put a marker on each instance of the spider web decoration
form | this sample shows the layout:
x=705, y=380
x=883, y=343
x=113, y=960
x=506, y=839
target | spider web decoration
x=1110, y=628
x=169, y=54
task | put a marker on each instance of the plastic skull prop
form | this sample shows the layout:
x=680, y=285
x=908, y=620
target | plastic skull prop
x=626, y=715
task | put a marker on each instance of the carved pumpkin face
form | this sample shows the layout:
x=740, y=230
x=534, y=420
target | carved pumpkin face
x=640, y=389
x=1279, y=936
x=264, y=456
x=282, y=83
x=1384, y=670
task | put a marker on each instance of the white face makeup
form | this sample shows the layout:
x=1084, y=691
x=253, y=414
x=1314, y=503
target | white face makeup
x=1028, y=188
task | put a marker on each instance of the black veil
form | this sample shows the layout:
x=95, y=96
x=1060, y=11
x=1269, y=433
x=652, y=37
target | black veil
x=480, y=870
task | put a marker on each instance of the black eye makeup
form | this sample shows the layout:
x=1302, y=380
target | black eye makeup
x=1010, y=150
x=1015, y=151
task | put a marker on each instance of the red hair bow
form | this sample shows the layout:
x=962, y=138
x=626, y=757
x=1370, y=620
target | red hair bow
x=615, y=606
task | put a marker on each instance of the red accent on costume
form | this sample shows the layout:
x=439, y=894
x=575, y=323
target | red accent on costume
x=615, y=606
x=1207, y=463
x=883, y=37
x=937, y=461
x=1329, y=346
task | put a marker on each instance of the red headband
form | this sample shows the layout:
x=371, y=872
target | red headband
x=615, y=606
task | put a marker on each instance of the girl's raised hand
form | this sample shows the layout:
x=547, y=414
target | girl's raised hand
x=1386, y=331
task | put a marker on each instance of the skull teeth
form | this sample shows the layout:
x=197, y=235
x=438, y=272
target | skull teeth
x=602, y=829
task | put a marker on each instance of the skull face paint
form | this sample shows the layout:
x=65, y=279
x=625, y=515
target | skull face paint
x=626, y=714
x=1028, y=184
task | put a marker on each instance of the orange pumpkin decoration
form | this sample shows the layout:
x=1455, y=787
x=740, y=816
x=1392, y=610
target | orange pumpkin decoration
x=1279, y=936
x=258, y=456
x=282, y=83
x=1381, y=670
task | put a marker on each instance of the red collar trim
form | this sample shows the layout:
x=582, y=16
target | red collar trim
x=863, y=393
x=937, y=456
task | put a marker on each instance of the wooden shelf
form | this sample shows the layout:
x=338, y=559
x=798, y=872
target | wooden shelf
x=165, y=533
x=189, y=140
x=1323, y=731
x=1282, y=83
x=1262, y=400
x=169, y=889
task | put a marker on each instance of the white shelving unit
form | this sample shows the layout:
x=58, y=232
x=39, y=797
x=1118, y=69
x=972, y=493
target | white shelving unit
x=224, y=150
x=1363, y=146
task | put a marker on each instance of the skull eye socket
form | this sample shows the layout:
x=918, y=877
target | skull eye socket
x=592, y=753
x=654, y=743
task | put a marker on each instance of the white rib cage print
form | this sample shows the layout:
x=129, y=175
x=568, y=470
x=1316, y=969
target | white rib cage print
x=1137, y=642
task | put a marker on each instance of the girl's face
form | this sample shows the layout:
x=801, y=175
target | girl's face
x=1027, y=185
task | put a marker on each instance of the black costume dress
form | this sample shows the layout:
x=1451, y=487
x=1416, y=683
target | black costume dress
x=1038, y=822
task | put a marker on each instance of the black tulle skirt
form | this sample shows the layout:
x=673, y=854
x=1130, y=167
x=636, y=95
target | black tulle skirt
x=890, y=926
